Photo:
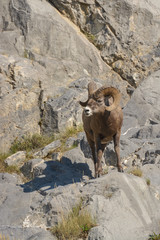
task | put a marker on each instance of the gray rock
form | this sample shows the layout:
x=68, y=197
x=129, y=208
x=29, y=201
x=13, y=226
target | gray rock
x=28, y=233
x=57, y=187
x=147, y=132
x=47, y=149
x=143, y=108
x=29, y=168
x=71, y=141
x=61, y=112
x=151, y=172
x=19, y=96
x=99, y=233
x=85, y=148
x=122, y=31
x=56, y=156
x=16, y=159
x=121, y=196
x=12, y=198
x=41, y=83
x=75, y=158
x=29, y=73
x=140, y=131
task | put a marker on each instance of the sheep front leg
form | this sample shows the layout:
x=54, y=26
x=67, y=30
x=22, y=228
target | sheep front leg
x=93, y=149
x=100, y=149
x=116, y=140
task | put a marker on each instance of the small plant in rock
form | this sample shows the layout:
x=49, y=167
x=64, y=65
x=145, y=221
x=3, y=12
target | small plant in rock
x=148, y=181
x=90, y=37
x=105, y=170
x=136, y=171
x=75, y=225
x=70, y=132
x=154, y=236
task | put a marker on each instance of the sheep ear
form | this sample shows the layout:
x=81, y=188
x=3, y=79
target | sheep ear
x=83, y=104
x=108, y=100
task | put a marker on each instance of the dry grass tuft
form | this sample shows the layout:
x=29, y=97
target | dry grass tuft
x=75, y=225
x=64, y=135
x=5, y=168
x=136, y=171
x=30, y=142
x=27, y=143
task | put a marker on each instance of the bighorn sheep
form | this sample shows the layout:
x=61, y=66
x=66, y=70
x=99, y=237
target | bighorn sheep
x=102, y=120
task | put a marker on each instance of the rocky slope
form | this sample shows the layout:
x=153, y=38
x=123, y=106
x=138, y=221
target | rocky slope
x=125, y=206
x=49, y=52
x=42, y=52
x=126, y=32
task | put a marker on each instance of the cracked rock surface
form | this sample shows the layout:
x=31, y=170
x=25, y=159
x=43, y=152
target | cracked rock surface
x=46, y=63
x=116, y=199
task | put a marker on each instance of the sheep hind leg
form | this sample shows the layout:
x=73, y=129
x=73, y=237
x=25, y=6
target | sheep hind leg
x=116, y=140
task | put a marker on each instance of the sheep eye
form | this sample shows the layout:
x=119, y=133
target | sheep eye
x=99, y=100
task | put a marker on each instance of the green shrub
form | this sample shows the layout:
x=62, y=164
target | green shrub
x=90, y=37
x=75, y=225
x=148, y=181
x=154, y=236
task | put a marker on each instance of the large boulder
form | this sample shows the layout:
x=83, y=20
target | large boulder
x=34, y=26
x=126, y=33
x=15, y=208
x=116, y=199
x=20, y=98
x=125, y=206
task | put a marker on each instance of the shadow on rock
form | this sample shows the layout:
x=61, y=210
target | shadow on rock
x=51, y=174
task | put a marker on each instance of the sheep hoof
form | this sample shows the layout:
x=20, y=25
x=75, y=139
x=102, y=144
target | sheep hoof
x=120, y=169
x=97, y=175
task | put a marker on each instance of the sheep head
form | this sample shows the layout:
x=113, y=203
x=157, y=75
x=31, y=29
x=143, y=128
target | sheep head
x=96, y=102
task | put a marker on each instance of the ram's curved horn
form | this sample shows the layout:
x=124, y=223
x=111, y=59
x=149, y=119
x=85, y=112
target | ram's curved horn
x=83, y=104
x=106, y=91
x=92, y=87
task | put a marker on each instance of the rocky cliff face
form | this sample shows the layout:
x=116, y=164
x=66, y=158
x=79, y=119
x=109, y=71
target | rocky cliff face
x=43, y=52
x=126, y=33
x=49, y=51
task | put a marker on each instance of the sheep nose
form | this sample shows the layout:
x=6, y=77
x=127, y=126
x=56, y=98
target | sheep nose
x=86, y=110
